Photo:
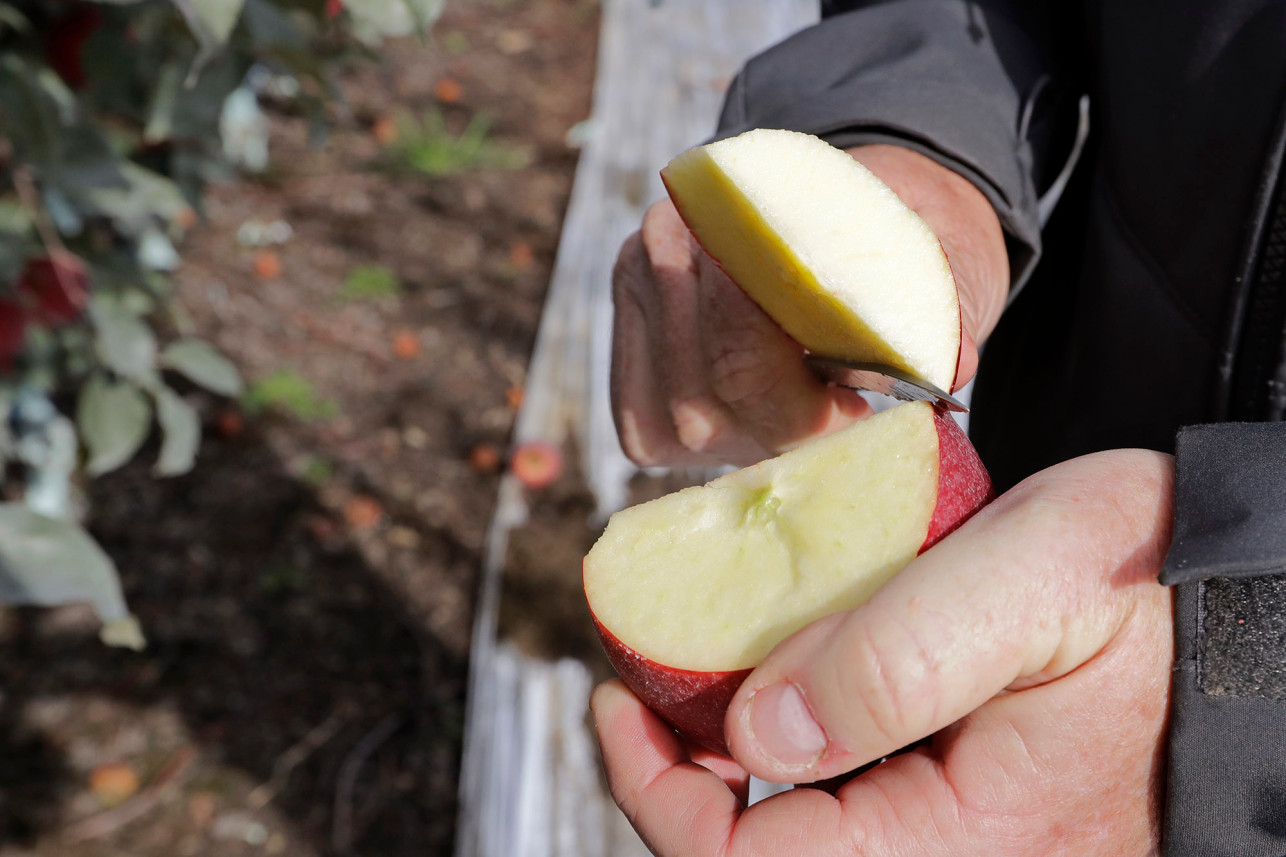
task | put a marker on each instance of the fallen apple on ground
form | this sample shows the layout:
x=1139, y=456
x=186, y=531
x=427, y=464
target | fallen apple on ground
x=825, y=248
x=690, y=591
x=536, y=463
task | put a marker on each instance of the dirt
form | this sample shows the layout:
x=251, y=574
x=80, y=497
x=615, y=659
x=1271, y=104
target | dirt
x=307, y=591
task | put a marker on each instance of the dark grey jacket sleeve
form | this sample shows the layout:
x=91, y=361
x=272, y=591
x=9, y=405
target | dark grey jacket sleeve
x=970, y=84
x=1226, y=790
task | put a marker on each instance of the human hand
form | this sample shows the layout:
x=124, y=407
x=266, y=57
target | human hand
x=1034, y=645
x=701, y=375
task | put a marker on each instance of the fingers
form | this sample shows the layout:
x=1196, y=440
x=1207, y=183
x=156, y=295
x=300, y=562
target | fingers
x=677, y=806
x=758, y=371
x=700, y=375
x=1030, y=589
x=681, y=809
x=639, y=405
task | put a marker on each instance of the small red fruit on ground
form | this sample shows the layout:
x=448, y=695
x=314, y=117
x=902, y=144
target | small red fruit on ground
x=406, y=345
x=448, y=90
x=514, y=395
x=537, y=463
x=113, y=784
x=267, y=265
x=521, y=256
x=229, y=423
x=484, y=458
x=385, y=130
x=186, y=218
x=362, y=512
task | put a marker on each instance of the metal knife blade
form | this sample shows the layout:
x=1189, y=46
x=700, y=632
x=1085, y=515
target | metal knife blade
x=880, y=378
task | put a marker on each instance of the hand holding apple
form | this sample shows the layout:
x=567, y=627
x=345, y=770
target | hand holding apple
x=1034, y=645
x=700, y=374
x=690, y=591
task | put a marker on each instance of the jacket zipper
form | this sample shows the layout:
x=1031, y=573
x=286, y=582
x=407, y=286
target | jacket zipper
x=1251, y=382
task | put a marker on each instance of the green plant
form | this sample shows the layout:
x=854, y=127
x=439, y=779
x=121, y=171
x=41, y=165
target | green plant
x=112, y=116
x=428, y=146
x=290, y=393
x=370, y=282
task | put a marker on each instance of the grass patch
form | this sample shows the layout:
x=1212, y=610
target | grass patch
x=290, y=393
x=369, y=283
x=427, y=146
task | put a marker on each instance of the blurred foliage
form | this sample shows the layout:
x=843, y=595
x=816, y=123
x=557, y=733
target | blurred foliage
x=370, y=282
x=113, y=116
x=428, y=146
x=290, y=393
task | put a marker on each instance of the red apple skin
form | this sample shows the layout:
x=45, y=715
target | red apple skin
x=964, y=486
x=695, y=703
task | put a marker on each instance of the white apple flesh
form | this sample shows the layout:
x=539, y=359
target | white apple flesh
x=825, y=248
x=689, y=592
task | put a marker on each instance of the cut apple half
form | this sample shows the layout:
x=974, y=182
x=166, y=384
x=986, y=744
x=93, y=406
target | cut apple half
x=828, y=250
x=689, y=592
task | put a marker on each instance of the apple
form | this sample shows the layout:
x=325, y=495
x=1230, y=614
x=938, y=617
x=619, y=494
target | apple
x=536, y=463
x=690, y=591
x=56, y=286
x=65, y=42
x=825, y=248
x=13, y=332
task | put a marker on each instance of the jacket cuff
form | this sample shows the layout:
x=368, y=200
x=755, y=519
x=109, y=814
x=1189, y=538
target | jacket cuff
x=925, y=74
x=1226, y=786
x=1229, y=502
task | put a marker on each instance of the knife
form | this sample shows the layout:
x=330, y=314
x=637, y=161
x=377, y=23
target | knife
x=880, y=378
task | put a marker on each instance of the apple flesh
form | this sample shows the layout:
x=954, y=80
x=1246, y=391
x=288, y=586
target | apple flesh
x=691, y=591
x=825, y=248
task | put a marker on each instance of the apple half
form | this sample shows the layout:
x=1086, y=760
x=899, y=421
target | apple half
x=828, y=250
x=690, y=591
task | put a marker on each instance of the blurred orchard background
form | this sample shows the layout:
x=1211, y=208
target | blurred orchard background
x=270, y=275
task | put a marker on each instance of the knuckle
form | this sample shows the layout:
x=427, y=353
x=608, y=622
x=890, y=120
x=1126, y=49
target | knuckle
x=895, y=679
x=659, y=217
x=738, y=373
x=666, y=240
x=696, y=425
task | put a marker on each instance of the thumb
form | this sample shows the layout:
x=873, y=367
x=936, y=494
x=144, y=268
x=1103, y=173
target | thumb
x=1031, y=588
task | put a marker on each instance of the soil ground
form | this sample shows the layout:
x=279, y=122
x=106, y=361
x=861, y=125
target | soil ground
x=307, y=591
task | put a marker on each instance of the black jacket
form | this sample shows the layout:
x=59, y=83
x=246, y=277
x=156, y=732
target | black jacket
x=1153, y=299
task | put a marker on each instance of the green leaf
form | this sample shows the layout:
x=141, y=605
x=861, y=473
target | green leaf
x=123, y=633
x=201, y=364
x=182, y=433
x=160, y=114
x=135, y=205
x=211, y=22
x=113, y=418
x=12, y=19
x=32, y=119
x=47, y=561
x=124, y=343
x=374, y=20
